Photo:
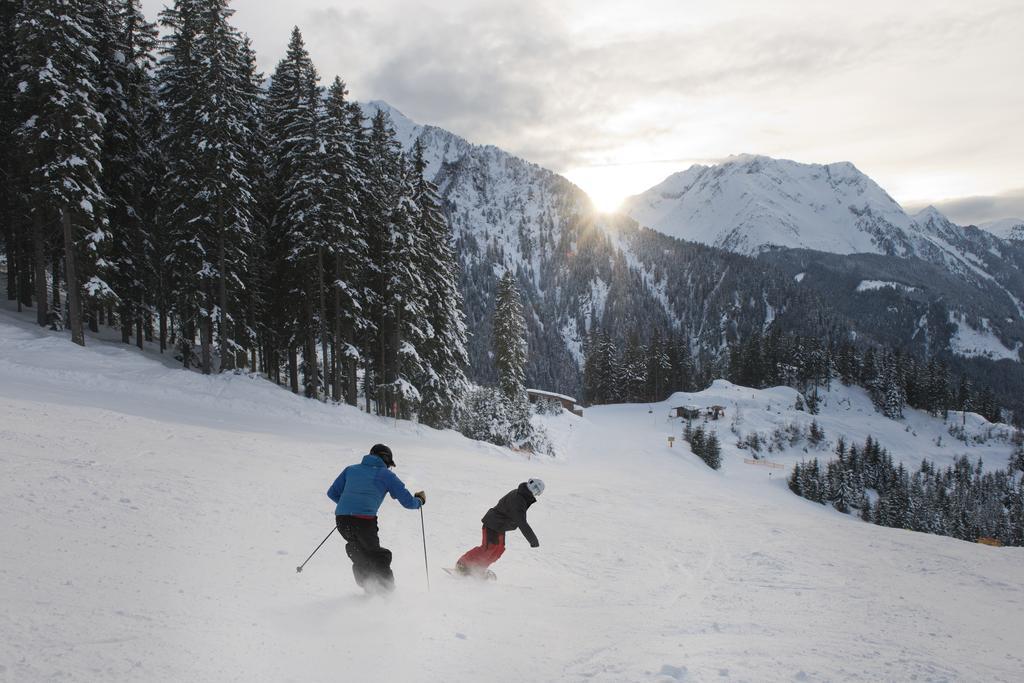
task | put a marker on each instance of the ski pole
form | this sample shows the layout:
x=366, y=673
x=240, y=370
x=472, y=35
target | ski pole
x=299, y=568
x=423, y=530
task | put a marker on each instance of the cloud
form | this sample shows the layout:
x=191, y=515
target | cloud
x=520, y=76
x=975, y=210
x=581, y=83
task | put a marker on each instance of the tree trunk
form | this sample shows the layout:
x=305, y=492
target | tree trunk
x=186, y=338
x=39, y=254
x=351, y=364
x=227, y=358
x=293, y=369
x=55, y=278
x=368, y=391
x=12, y=267
x=74, y=293
x=24, y=286
x=126, y=322
x=336, y=337
x=383, y=369
x=310, y=365
x=323, y=321
x=92, y=317
x=163, y=328
x=206, y=343
x=139, y=338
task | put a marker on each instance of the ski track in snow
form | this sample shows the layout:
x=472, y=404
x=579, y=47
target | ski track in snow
x=153, y=520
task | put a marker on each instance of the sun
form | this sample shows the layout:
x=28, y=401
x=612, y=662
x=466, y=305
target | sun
x=603, y=184
x=609, y=185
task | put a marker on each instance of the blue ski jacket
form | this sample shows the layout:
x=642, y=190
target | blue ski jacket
x=360, y=489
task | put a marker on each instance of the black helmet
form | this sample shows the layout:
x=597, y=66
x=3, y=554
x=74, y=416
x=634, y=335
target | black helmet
x=384, y=453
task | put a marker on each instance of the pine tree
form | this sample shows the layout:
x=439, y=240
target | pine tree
x=712, y=451
x=222, y=143
x=442, y=382
x=60, y=136
x=345, y=185
x=510, y=338
x=12, y=232
x=129, y=166
x=293, y=128
x=176, y=244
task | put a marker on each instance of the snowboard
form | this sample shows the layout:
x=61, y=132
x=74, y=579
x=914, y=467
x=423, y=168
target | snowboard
x=452, y=571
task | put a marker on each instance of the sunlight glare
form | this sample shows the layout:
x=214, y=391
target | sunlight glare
x=608, y=185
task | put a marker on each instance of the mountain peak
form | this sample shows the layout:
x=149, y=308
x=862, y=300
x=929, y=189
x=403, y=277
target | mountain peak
x=930, y=212
x=751, y=203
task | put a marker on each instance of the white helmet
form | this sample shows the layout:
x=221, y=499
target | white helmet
x=536, y=487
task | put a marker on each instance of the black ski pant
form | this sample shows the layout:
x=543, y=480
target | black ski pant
x=371, y=564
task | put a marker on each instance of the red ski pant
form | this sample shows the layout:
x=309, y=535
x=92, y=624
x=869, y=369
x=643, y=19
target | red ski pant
x=492, y=545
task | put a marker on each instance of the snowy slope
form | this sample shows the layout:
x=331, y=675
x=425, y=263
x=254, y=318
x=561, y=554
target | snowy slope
x=847, y=412
x=153, y=519
x=751, y=203
x=1007, y=228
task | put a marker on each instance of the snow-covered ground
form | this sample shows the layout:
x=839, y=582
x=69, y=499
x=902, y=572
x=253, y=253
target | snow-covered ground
x=969, y=342
x=153, y=519
x=870, y=285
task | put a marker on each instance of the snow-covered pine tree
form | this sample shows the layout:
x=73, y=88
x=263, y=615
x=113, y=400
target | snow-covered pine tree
x=510, y=337
x=129, y=167
x=294, y=121
x=178, y=247
x=250, y=302
x=347, y=246
x=11, y=233
x=406, y=297
x=633, y=371
x=442, y=380
x=842, y=492
x=396, y=293
x=222, y=143
x=712, y=451
x=60, y=136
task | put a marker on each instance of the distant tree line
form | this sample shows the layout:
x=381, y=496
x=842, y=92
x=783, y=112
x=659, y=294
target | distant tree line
x=162, y=189
x=639, y=372
x=960, y=501
x=893, y=378
x=651, y=372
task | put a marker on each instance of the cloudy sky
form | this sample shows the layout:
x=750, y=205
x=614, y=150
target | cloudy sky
x=927, y=97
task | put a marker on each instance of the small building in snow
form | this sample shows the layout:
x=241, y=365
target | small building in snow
x=716, y=412
x=567, y=402
x=688, y=412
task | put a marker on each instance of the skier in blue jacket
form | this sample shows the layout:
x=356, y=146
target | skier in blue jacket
x=358, y=492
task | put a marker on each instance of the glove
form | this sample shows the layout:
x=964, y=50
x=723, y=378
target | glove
x=422, y=496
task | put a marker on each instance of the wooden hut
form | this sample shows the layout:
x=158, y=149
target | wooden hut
x=568, y=402
x=688, y=412
x=716, y=412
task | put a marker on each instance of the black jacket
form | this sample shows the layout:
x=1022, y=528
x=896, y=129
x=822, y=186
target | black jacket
x=510, y=513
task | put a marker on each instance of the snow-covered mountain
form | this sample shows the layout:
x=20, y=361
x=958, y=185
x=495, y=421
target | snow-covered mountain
x=757, y=205
x=751, y=203
x=817, y=233
x=1007, y=228
x=575, y=266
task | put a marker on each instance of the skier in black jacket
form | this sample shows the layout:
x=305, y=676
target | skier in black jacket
x=509, y=514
